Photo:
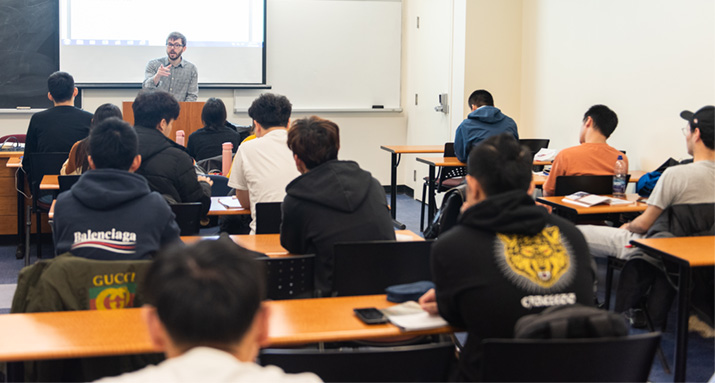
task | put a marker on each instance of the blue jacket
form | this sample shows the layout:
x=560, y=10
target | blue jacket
x=482, y=123
x=112, y=215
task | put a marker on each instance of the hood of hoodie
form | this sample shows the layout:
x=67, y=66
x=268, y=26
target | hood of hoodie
x=340, y=185
x=105, y=189
x=512, y=212
x=487, y=114
x=152, y=141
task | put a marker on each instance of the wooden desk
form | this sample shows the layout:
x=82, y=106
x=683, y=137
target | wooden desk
x=434, y=162
x=218, y=209
x=50, y=182
x=540, y=179
x=686, y=253
x=270, y=244
x=396, y=155
x=12, y=181
x=572, y=211
x=79, y=334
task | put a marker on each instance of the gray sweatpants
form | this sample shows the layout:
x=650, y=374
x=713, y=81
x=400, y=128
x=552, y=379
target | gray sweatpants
x=604, y=241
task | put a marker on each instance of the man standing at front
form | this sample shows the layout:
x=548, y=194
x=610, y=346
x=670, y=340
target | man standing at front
x=263, y=167
x=594, y=156
x=506, y=257
x=173, y=73
x=484, y=121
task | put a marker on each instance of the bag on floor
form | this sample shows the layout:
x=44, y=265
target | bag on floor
x=446, y=216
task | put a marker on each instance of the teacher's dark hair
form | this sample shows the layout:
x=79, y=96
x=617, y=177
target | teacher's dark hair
x=500, y=164
x=206, y=294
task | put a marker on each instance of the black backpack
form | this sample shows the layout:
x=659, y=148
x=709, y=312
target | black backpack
x=571, y=321
x=446, y=216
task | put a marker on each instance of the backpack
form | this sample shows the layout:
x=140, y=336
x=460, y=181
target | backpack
x=446, y=216
x=571, y=321
x=647, y=182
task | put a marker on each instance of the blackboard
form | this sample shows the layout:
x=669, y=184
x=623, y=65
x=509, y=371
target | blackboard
x=29, y=50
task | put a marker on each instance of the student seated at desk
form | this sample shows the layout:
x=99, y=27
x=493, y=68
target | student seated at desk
x=204, y=310
x=77, y=162
x=207, y=141
x=110, y=213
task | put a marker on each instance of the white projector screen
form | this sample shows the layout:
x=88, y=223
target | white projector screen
x=111, y=41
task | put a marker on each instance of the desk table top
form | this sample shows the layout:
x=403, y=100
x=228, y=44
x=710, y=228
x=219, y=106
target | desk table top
x=13, y=161
x=75, y=334
x=697, y=251
x=635, y=207
x=413, y=148
x=218, y=209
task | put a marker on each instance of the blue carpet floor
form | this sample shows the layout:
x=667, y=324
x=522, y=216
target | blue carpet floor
x=701, y=351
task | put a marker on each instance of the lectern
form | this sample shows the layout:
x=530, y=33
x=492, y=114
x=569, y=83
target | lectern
x=189, y=117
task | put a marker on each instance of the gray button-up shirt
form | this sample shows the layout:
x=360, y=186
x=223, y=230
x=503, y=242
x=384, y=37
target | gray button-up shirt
x=183, y=82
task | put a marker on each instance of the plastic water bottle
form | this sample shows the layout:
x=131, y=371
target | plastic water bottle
x=226, y=157
x=620, y=172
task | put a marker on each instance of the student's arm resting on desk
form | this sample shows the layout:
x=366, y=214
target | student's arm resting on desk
x=243, y=198
x=643, y=222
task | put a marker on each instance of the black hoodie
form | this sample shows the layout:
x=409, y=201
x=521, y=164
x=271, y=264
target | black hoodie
x=333, y=202
x=112, y=215
x=507, y=258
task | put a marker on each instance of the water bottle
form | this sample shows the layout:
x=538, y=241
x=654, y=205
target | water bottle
x=226, y=157
x=180, y=137
x=620, y=172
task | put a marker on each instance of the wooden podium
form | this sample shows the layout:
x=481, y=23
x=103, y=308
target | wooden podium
x=189, y=117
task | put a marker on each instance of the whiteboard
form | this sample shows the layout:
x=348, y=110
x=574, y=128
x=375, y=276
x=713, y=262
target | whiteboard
x=332, y=55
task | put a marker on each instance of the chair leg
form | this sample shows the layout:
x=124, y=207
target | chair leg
x=659, y=350
x=422, y=210
x=28, y=230
x=38, y=224
x=609, y=282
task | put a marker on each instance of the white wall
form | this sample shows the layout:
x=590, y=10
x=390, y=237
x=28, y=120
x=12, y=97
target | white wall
x=646, y=59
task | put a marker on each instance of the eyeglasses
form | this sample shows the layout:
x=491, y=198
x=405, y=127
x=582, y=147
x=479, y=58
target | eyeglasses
x=686, y=130
x=174, y=45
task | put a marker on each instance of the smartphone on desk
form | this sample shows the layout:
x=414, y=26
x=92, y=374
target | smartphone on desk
x=370, y=315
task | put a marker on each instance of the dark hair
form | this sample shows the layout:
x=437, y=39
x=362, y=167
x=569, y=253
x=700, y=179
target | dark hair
x=500, y=164
x=480, y=98
x=207, y=293
x=270, y=110
x=176, y=36
x=104, y=112
x=61, y=86
x=314, y=140
x=151, y=106
x=113, y=144
x=604, y=119
x=214, y=113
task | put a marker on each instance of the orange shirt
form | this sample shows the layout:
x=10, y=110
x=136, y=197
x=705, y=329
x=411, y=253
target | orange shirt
x=585, y=159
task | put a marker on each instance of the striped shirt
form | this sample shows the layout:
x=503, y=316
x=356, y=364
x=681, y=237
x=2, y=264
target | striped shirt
x=183, y=82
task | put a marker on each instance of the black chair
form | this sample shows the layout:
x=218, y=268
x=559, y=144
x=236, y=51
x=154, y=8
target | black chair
x=616, y=359
x=364, y=268
x=268, y=217
x=66, y=182
x=290, y=277
x=430, y=362
x=566, y=185
x=535, y=144
x=188, y=217
x=39, y=165
x=220, y=186
x=447, y=178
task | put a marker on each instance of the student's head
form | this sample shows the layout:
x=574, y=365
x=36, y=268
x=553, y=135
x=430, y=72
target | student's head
x=61, y=87
x=314, y=141
x=480, y=98
x=601, y=119
x=214, y=112
x=270, y=110
x=151, y=107
x=104, y=112
x=113, y=145
x=700, y=125
x=175, y=45
x=499, y=164
x=207, y=294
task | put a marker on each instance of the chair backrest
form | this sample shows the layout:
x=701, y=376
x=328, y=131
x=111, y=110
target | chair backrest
x=289, y=277
x=617, y=359
x=41, y=164
x=449, y=149
x=566, y=185
x=535, y=144
x=19, y=138
x=188, y=217
x=268, y=217
x=364, y=268
x=66, y=182
x=220, y=186
x=415, y=363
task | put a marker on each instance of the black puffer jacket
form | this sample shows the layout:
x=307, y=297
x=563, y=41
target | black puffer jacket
x=169, y=170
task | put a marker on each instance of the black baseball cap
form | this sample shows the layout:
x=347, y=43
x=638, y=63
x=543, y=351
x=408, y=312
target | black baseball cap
x=702, y=118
